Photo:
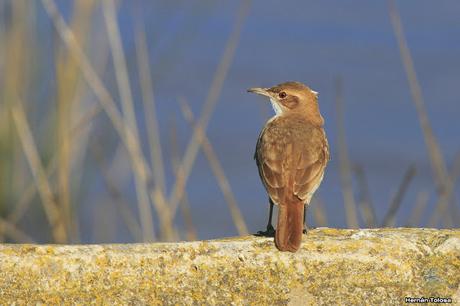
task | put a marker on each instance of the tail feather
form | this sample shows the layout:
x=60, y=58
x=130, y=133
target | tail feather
x=290, y=226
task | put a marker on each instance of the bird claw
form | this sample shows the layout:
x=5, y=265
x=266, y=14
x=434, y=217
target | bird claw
x=306, y=229
x=270, y=232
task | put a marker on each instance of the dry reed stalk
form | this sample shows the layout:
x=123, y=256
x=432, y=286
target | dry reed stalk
x=93, y=81
x=441, y=207
x=365, y=200
x=217, y=169
x=318, y=213
x=121, y=204
x=85, y=120
x=5, y=121
x=16, y=48
x=125, y=132
x=161, y=206
x=30, y=150
x=29, y=192
x=129, y=120
x=417, y=212
x=184, y=203
x=2, y=63
x=75, y=133
x=23, y=204
x=67, y=78
x=438, y=165
x=389, y=219
x=110, y=108
x=87, y=107
x=168, y=230
x=211, y=100
x=11, y=230
x=344, y=162
x=148, y=98
x=190, y=230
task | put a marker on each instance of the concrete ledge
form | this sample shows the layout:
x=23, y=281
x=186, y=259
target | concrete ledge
x=334, y=266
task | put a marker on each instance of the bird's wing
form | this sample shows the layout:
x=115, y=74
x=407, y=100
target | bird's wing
x=294, y=168
x=310, y=169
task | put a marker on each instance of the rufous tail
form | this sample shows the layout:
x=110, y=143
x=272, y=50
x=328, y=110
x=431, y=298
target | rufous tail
x=290, y=226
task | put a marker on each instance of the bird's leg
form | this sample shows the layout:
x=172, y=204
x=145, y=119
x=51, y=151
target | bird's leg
x=305, y=226
x=270, y=232
x=305, y=219
x=270, y=228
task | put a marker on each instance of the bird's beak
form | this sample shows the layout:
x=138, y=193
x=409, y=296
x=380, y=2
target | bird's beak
x=260, y=91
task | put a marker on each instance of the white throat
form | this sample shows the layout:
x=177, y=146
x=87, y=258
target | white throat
x=276, y=107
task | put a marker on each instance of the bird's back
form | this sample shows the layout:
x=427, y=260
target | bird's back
x=291, y=153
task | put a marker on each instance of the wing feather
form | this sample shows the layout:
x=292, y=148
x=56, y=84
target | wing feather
x=291, y=169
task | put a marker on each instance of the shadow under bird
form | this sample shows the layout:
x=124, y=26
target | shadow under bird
x=291, y=154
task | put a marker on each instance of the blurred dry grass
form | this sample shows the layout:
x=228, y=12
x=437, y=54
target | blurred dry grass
x=43, y=147
x=54, y=180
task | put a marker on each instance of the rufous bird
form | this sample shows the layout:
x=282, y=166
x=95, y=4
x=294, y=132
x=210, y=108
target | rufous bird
x=291, y=154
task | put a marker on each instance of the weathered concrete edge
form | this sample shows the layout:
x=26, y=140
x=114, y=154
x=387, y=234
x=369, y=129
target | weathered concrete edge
x=378, y=265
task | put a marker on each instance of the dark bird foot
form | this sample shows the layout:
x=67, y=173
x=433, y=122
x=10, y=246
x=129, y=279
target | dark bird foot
x=270, y=232
x=306, y=229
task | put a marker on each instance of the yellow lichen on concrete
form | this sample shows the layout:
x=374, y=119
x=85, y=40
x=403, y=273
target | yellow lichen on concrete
x=334, y=266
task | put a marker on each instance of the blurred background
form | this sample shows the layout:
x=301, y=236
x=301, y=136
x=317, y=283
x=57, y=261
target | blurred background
x=129, y=121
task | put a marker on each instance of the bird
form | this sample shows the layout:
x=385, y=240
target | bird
x=291, y=154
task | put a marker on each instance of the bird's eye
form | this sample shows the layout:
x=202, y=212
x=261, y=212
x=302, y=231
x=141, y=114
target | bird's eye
x=282, y=95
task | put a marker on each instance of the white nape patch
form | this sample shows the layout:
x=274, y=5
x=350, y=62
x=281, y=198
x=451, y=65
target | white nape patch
x=276, y=107
x=314, y=92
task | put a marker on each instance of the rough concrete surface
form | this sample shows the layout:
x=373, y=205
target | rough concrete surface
x=333, y=267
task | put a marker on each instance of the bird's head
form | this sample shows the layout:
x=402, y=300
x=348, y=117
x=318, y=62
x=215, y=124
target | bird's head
x=292, y=97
